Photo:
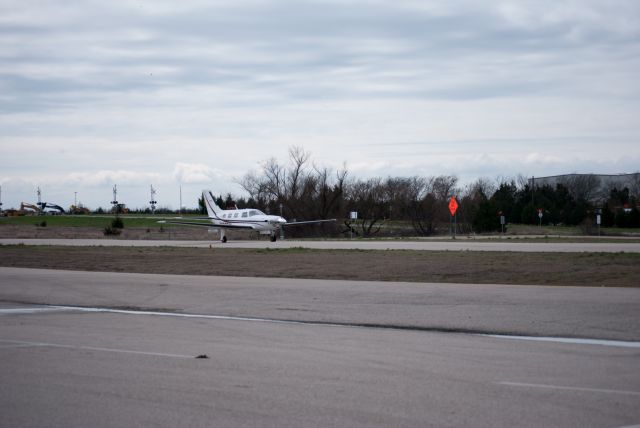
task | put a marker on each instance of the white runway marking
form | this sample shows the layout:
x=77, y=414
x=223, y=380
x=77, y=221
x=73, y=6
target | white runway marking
x=569, y=388
x=17, y=311
x=23, y=344
x=615, y=343
x=14, y=346
x=178, y=315
x=567, y=340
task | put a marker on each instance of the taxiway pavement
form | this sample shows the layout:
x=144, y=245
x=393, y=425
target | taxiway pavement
x=590, y=312
x=424, y=245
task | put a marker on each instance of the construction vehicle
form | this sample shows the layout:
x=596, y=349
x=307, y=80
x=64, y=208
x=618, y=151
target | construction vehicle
x=79, y=209
x=29, y=208
x=53, y=207
x=119, y=209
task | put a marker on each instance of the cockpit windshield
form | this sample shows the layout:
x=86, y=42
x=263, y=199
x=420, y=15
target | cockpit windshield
x=255, y=212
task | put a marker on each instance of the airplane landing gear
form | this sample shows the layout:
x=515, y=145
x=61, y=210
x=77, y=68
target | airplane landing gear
x=273, y=237
x=223, y=236
x=224, y=240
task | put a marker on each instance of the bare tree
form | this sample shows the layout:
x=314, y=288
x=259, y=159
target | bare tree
x=582, y=186
x=296, y=173
x=521, y=181
x=301, y=190
x=634, y=185
x=330, y=193
x=482, y=187
x=444, y=186
x=425, y=214
x=368, y=199
x=429, y=206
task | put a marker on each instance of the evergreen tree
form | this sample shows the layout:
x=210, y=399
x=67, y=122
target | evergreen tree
x=486, y=218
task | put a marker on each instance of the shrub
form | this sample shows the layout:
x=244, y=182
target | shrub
x=111, y=231
x=117, y=223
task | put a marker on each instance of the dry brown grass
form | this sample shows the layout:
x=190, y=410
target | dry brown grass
x=584, y=269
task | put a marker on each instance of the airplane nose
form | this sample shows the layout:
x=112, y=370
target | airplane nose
x=277, y=221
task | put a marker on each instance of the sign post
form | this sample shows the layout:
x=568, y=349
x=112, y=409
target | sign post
x=353, y=215
x=540, y=217
x=502, y=221
x=453, y=207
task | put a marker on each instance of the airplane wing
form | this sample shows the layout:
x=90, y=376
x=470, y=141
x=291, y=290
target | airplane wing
x=190, y=218
x=296, y=223
x=209, y=225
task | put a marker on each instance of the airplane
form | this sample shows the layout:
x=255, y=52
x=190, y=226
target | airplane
x=244, y=219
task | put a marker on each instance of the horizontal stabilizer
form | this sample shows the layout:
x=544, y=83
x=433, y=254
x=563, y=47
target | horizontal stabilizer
x=295, y=223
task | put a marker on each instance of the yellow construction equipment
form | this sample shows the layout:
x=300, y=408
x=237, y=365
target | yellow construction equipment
x=29, y=208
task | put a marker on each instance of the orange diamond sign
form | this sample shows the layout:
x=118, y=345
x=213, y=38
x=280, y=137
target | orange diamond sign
x=453, y=205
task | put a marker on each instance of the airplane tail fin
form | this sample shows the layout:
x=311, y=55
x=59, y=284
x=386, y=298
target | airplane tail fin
x=212, y=209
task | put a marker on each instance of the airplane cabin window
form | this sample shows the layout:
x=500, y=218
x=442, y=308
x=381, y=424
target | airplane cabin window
x=244, y=214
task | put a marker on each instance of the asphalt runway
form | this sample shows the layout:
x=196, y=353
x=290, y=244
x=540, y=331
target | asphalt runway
x=585, y=312
x=462, y=244
x=78, y=369
x=312, y=353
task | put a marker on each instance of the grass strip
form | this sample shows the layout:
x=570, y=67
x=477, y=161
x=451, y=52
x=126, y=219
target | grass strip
x=572, y=269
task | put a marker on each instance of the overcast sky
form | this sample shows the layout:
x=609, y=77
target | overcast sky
x=200, y=92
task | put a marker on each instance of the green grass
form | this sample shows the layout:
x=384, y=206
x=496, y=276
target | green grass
x=530, y=229
x=149, y=221
x=99, y=221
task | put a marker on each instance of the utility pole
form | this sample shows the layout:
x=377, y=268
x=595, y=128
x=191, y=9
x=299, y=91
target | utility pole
x=153, y=201
x=115, y=199
x=533, y=187
x=39, y=198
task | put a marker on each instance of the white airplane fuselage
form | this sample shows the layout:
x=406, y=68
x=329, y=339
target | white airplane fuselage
x=248, y=219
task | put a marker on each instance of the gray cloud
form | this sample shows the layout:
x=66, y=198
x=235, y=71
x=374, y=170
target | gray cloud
x=141, y=86
x=299, y=49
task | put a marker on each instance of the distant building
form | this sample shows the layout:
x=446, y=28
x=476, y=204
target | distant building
x=592, y=187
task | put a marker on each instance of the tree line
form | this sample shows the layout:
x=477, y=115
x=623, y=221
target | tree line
x=299, y=189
